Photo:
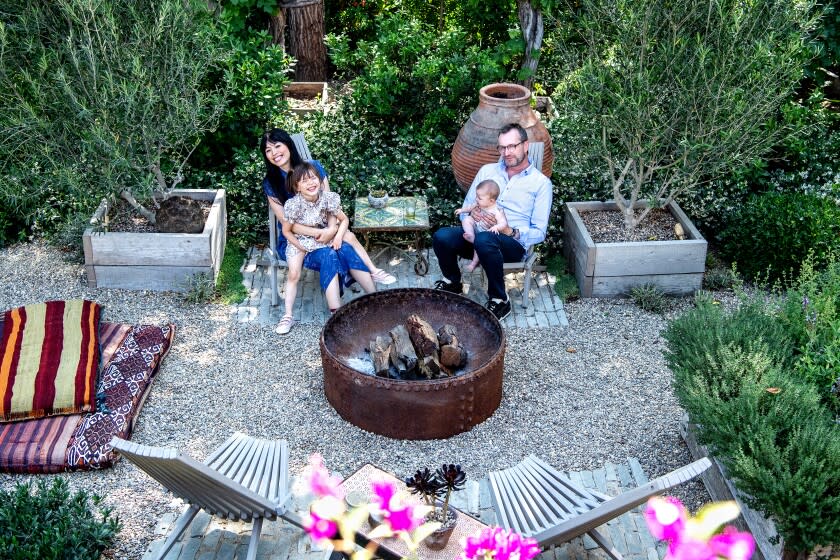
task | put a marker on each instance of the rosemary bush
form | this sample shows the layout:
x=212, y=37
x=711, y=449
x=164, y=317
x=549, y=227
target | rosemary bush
x=737, y=375
x=45, y=521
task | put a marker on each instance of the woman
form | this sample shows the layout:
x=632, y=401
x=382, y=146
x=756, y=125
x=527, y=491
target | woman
x=280, y=157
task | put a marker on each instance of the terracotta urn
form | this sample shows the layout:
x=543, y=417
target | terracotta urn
x=498, y=105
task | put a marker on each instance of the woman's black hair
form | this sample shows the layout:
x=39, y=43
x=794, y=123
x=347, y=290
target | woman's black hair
x=301, y=170
x=272, y=172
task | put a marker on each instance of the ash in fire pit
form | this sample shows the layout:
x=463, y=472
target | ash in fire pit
x=413, y=351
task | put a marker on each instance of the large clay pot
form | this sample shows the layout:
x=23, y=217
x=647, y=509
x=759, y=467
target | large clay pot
x=498, y=105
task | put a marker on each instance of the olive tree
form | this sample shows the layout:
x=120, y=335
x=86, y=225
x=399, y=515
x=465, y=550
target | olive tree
x=103, y=97
x=677, y=93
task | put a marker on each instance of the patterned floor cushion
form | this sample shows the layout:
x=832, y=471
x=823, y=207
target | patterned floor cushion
x=131, y=356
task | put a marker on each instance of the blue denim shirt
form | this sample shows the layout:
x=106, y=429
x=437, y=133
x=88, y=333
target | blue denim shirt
x=525, y=198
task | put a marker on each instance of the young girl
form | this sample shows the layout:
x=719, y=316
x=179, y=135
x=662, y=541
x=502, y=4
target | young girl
x=337, y=263
x=486, y=193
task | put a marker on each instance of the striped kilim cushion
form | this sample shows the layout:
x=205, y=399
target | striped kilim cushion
x=49, y=357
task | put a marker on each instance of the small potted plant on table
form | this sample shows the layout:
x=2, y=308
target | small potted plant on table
x=378, y=198
x=431, y=486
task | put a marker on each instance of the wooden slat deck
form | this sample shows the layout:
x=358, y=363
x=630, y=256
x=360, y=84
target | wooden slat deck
x=544, y=310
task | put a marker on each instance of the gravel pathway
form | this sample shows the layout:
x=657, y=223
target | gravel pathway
x=594, y=392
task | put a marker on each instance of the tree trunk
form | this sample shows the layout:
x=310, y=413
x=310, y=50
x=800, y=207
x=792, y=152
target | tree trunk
x=531, y=22
x=277, y=28
x=306, y=39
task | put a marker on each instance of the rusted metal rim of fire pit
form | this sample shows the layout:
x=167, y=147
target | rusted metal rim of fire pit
x=428, y=409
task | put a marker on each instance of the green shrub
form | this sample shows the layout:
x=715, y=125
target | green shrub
x=649, y=297
x=719, y=278
x=360, y=154
x=247, y=209
x=811, y=313
x=783, y=452
x=773, y=232
x=254, y=73
x=413, y=73
x=693, y=339
x=199, y=288
x=48, y=522
x=736, y=375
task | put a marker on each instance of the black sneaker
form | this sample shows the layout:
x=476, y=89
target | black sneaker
x=453, y=287
x=500, y=309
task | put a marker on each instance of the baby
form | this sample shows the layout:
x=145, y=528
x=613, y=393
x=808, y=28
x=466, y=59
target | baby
x=486, y=193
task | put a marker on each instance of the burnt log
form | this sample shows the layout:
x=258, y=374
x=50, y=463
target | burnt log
x=403, y=355
x=430, y=367
x=422, y=336
x=453, y=355
x=380, y=353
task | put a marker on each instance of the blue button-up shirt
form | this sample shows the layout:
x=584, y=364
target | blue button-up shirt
x=525, y=198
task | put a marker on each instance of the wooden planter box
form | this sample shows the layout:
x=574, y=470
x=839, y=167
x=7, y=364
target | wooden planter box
x=307, y=91
x=612, y=269
x=158, y=261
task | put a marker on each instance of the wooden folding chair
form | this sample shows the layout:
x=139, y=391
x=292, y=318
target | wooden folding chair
x=245, y=479
x=535, y=500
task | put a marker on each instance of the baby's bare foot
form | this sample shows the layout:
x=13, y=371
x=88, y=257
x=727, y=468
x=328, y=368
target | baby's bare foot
x=472, y=266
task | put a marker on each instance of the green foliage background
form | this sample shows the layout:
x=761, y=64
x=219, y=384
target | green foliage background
x=407, y=74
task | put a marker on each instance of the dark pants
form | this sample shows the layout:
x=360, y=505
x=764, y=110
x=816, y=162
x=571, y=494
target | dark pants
x=493, y=251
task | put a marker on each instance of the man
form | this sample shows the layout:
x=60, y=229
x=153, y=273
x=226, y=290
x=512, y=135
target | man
x=525, y=198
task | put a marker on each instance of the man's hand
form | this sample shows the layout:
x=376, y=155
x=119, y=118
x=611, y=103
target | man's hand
x=486, y=218
x=336, y=243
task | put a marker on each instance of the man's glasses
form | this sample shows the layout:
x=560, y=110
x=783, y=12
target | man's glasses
x=509, y=148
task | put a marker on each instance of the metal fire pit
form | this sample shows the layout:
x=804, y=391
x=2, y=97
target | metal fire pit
x=425, y=409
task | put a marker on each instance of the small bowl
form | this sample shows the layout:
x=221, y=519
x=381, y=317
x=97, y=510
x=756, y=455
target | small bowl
x=377, y=201
x=356, y=499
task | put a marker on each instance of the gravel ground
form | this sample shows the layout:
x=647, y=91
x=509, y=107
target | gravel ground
x=600, y=393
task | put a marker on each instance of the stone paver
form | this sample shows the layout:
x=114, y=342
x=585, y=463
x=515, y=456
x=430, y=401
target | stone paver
x=217, y=539
x=545, y=308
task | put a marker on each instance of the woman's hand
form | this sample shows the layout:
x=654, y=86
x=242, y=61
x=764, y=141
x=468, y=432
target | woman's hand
x=326, y=235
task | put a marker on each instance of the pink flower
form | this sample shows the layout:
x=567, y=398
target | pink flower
x=689, y=549
x=319, y=480
x=695, y=538
x=403, y=518
x=399, y=516
x=665, y=517
x=733, y=544
x=495, y=543
x=318, y=527
x=383, y=493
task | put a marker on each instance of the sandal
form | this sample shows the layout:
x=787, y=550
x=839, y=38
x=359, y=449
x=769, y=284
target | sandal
x=382, y=277
x=285, y=325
